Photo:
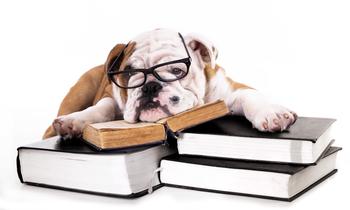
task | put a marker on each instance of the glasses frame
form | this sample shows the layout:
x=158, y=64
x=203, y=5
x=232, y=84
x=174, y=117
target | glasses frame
x=111, y=72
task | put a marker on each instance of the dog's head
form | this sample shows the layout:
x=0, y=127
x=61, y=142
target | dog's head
x=159, y=74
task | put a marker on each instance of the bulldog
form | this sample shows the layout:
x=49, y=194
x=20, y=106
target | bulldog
x=158, y=74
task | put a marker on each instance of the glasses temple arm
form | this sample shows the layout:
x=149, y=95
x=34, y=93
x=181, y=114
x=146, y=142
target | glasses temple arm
x=183, y=41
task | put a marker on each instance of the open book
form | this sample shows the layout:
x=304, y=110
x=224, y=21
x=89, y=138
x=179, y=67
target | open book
x=121, y=134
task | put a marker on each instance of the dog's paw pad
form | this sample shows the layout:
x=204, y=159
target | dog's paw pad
x=68, y=127
x=274, y=118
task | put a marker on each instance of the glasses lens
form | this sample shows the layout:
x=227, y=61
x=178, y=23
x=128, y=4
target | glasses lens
x=172, y=72
x=129, y=79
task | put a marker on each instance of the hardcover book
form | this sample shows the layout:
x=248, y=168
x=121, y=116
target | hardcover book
x=75, y=166
x=234, y=137
x=120, y=134
x=265, y=180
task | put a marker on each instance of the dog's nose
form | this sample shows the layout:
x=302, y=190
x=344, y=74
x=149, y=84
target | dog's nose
x=151, y=88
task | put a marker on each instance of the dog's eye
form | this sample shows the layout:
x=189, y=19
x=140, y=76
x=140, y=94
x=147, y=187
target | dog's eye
x=177, y=71
x=131, y=73
x=126, y=75
x=128, y=67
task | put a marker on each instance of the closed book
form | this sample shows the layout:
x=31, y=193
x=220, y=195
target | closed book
x=74, y=166
x=121, y=134
x=265, y=180
x=234, y=137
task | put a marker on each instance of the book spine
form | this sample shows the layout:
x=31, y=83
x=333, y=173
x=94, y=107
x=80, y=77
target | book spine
x=18, y=164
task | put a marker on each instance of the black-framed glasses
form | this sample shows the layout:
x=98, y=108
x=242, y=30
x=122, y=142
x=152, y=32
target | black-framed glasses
x=166, y=72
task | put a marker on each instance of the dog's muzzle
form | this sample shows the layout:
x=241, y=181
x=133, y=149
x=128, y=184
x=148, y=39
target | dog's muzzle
x=151, y=89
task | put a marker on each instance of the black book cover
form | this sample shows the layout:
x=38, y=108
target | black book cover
x=305, y=128
x=55, y=144
x=249, y=165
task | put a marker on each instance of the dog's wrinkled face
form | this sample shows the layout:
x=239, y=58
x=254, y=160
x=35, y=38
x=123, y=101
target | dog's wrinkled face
x=158, y=99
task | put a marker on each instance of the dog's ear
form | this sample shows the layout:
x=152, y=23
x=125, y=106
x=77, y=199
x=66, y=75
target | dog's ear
x=117, y=51
x=117, y=60
x=203, y=48
x=121, y=52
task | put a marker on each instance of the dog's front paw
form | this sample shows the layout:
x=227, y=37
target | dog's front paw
x=68, y=127
x=273, y=118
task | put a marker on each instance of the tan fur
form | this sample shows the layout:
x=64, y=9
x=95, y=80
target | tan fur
x=236, y=85
x=210, y=72
x=91, y=87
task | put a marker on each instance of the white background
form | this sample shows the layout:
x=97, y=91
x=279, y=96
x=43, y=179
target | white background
x=295, y=52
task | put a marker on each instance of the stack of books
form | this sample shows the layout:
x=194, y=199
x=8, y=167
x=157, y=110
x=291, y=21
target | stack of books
x=201, y=149
x=227, y=155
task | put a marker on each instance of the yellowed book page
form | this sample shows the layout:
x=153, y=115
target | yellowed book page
x=119, y=125
x=118, y=134
x=124, y=138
